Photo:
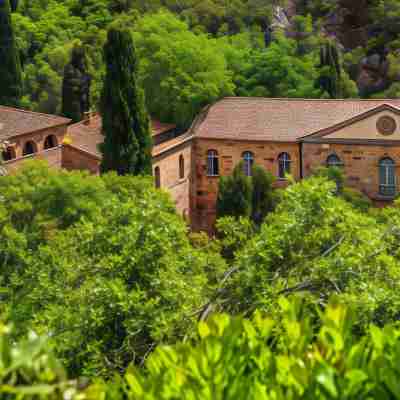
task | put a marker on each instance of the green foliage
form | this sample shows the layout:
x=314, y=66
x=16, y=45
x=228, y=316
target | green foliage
x=76, y=86
x=263, y=200
x=233, y=233
x=279, y=71
x=10, y=67
x=243, y=196
x=181, y=72
x=235, y=194
x=316, y=242
x=334, y=174
x=29, y=370
x=268, y=358
x=357, y=199
x=126, y=127
x=102, y=265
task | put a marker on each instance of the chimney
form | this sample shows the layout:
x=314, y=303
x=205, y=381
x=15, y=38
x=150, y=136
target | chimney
x=87, y=116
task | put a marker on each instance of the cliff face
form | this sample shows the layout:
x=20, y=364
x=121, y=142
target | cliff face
x=368, y=27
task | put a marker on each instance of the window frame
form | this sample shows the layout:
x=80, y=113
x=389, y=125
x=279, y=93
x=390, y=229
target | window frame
x=34, y=148
x=386, y=188
x=248, y=162
x=157, y=177
x=212, y=163
x=181, y=167
x=285, y=160
x=337, y=164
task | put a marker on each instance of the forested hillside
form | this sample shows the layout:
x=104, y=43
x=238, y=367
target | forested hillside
x=194, y=52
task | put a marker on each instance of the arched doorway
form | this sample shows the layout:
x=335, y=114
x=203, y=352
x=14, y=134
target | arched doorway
x=29, y=148
x=8, y=154
x=50, y=142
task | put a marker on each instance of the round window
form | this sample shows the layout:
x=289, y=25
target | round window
x=386, y=125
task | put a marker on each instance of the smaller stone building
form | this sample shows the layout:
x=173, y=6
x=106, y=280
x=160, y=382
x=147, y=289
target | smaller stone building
x=28, y=134
x=172, y=156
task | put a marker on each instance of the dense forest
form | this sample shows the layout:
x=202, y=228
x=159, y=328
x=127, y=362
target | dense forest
x=194, y=52
x=105, y=292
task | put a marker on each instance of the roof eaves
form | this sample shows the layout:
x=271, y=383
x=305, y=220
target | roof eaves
x=331, y=129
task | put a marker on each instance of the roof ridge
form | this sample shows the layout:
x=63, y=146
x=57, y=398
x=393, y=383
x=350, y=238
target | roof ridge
x=22, y=110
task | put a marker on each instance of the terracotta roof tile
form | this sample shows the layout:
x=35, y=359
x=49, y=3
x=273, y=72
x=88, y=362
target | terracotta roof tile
x=284, y=120
x=87, y=135
x=15, y=122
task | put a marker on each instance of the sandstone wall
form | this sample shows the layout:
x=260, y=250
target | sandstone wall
x=360, y=163
x=76, y=159
x=205, y=188
x=170, y=180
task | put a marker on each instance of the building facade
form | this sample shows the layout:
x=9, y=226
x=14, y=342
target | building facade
x=285, y=136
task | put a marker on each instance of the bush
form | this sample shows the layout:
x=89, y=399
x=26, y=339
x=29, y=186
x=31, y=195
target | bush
x=358, y=199
x=101, y=264
x=29, y=370
x=249, y=197
x=263, y=358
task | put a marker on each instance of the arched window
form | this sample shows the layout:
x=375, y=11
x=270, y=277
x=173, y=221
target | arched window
x=50, y=142
x=284, y=165
x=29, y=148
x=212, y=163
x=157, y=177
x=387, y=177
x=333, y=161
x=181, y=167
x=248, y=161
x=8, y=154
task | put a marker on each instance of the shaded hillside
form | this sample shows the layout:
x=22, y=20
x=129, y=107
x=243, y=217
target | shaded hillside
x=193, y=52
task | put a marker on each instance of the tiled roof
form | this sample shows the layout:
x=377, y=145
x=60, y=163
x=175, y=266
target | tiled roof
x=87, y=135
x=284, y=120
x=16, y=122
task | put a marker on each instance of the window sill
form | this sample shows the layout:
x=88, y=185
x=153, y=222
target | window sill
x=384, y=197
x=212, y=176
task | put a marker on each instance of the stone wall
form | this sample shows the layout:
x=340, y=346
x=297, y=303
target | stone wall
x=205, y=188
x=52, y=156
x=360, y=163
x=38, y=138
x=170, y=180
x=76, y=159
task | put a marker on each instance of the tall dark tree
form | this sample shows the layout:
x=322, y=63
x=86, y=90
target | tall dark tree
x=263, y=198
x=10, y=65
x=235, y=194
x=76, y=86
x=330, y=70
x=126, y=126
x=14, y=5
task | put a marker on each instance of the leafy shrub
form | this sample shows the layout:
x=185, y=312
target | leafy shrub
x=357, y=199
x=103, y=265
x=29, y=370
x=316, y=242
x=263, y=358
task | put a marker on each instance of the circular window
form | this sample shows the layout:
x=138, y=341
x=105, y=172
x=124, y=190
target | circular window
x=386, y=125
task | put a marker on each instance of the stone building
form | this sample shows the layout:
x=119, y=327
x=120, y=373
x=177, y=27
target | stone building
x=285, y=136
x=295, y=136
x=27, y=134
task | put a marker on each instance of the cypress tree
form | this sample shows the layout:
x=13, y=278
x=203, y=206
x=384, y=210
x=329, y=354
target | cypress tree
x=10, y=66
x=76, y=86
x=126, y=126
x=14, y=5
x=235, y=194
x=263, y=198
x=330, y=75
